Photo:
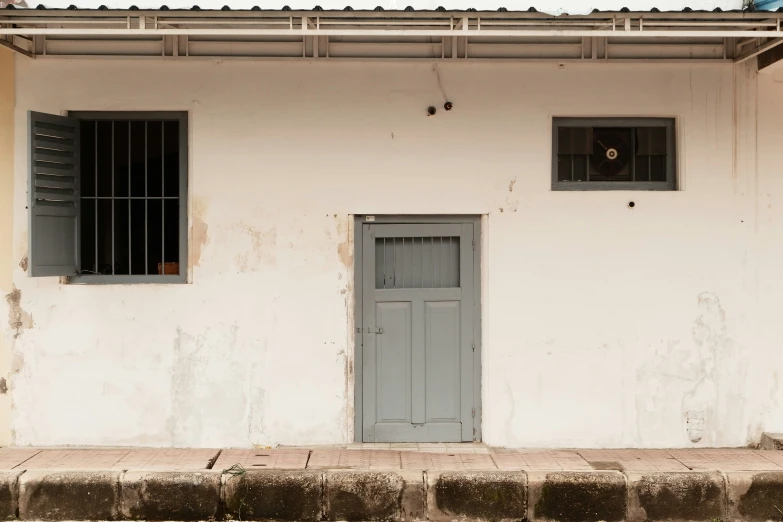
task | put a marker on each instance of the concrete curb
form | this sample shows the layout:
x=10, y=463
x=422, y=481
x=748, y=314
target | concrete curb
x=373, y=495
x=69, y=495
x=9, y=494
x=578, y=496
x=755, y=496
x=477, y=495
x=169, y=495
x=676, y=496
x=310, y=495
x=272, y=495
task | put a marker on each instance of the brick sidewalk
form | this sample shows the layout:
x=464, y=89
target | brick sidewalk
x=405, y=483
x=434, y=457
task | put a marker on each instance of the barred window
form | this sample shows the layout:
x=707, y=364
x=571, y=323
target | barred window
x=613, y=154
x=109, y=197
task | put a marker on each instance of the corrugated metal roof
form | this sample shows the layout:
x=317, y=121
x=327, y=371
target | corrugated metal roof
x=574, y=7
x=316, y=8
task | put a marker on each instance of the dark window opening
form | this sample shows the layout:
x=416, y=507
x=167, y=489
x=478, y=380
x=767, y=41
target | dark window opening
x=614, y=153
x=130, y=197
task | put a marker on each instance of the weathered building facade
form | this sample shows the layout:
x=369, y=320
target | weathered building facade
x=337, y=263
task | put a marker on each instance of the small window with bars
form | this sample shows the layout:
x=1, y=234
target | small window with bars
x=108, y=197
x=416, y=262
x=613, y=154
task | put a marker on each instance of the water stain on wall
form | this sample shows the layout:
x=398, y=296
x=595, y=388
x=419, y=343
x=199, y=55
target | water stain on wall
x=345, y=256
x=18, y=319
x=705, y=376
x=17, y=363
x=511, y=204
x=263, y=244
x=198, y=232
x=208, y=385
x=709, y=336
x=344, y=253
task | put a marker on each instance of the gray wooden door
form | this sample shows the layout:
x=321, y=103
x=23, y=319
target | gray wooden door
x=417, y=295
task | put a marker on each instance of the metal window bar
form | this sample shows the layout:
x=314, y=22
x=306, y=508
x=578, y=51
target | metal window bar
x=587, y=167
x=432, y=262
x=649, y=167
x=162, y=193
x=394, y=262
x=112, y=198
x=444, y=263
x=130, y=235
x=146, y=203
x=421, y=262
x=402, y=265
x=571, y=157
x=633, y=154
x=448, y=263
x=95, y=269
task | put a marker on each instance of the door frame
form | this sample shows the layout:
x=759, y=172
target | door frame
x=361, y=219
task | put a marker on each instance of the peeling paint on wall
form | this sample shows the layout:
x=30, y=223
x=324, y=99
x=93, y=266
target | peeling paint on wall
x=23, y=264
x=18, y=319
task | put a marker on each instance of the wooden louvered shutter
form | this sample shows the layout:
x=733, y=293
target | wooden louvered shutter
x=54, y=195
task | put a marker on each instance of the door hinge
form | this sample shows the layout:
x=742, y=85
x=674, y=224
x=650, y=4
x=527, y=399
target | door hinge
x=474, y=412
x=473, y=345
x=473, y=244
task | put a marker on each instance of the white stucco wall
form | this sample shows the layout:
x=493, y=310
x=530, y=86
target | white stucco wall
x=766, y=279
x=602, y=326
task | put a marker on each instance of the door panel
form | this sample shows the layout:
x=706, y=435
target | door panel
x=429, y=432
x=417, y=294
x=442, y=361
x=393, y=350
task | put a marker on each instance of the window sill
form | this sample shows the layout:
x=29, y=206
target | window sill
x=89, y=279
x=614, y=185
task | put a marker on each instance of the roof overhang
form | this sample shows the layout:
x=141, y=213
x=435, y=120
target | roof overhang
x=598, y=37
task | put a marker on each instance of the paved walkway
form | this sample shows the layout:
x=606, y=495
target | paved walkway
x=435, y=457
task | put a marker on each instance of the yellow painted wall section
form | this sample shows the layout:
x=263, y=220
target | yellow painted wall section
x=7, y=99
